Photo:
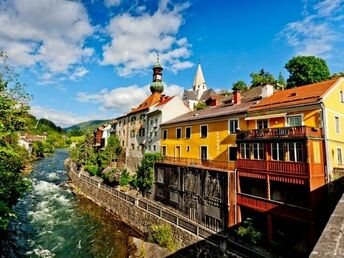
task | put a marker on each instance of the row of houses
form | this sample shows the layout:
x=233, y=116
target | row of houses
x=263, y=154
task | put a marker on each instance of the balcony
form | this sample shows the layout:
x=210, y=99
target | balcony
x=280, y=208
x=206, y=164
x=283, y=168
x=280, y=133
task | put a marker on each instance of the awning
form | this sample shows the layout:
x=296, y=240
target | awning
x=266, y=116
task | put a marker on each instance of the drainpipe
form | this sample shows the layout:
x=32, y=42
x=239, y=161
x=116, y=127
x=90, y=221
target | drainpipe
x=327, y=150
x=235, y=197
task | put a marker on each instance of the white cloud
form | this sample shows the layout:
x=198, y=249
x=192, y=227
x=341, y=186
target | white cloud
x=122, y=99
x=45, y=32
x=317, y=33
x=137, y=39
x=78, y=73
x=110, y=3
x=61, y=118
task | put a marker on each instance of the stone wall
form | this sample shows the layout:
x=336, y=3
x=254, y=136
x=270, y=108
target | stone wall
x=129, y=211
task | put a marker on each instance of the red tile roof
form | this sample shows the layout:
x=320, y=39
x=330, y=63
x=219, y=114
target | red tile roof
x=302, y=95
x=150, y=101
x=164, y=100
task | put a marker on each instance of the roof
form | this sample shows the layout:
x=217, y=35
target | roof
x=207, y=94
x=199, y=78
x=302, y=95
x=190, y=94
x=221, y=110
x=147, y=103
x=161, y=103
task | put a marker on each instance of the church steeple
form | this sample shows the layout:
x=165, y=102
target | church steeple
x=157, y=85
x=199, y=82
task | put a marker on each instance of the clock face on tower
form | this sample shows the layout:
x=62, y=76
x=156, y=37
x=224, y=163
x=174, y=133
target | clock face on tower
x=158, y=77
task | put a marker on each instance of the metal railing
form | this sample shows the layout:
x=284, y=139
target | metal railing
x=282, y=132
x=219, y=164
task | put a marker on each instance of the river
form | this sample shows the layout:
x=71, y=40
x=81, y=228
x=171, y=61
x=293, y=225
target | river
x=53, y=222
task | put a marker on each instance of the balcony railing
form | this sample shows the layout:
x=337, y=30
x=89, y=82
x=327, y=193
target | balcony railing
x=219, y=164
x=282, y=132
x=265, y=205
x=272, y=166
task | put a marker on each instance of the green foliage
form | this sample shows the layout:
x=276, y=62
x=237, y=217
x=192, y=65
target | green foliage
x=75, y=132
x=306, y=70
x=200, y=105
x=146, y=170
x=87, y=126
x=109, y=176
x=240, y=85
x=337, y=75
x=125, y=178
x=92, y=169
x=13, y=109
x=248, y=232
x=162, y=235
x=262, y=78
x=281, y=83
x=37, y=149
x=225, y=92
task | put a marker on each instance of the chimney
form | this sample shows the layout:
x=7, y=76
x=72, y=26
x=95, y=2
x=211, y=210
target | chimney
x=267, y=91
x=236, y=97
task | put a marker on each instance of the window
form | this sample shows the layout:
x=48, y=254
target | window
x=164, y=151
x=337, y=123
x=316, y=152
x=123, y=133
x=262, y=123
x=133, y=119
x=155, y=133
x=164, y=134
x=188, y=132
x=149, y=147
x=233, y=125
x=277, y=151
x=204, y=152
x=133, y=146
x=339, y=156
x=342, y=96
x=295, y=151
x=232, y=152
x=245, y=151
x=204, y=131
x=294, y=120
x=132, y=133
x=179, y=133
x=151, y=122
x=122, y=143
x=154, y=148
x=119, y=123
x=258, y=150
x=142, y=132
x=187, y=148
x=142, y=116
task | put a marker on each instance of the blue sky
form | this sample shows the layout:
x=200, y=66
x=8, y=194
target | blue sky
x=87, y=60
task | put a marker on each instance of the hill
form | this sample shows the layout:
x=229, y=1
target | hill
x=84, y=126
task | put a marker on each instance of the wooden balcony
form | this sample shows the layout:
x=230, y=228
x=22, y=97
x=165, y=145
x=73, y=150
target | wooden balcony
x=280, y=208
x=282, y=132
x=283, y=168
x=216, y=164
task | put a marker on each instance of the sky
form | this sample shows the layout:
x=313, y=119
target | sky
x=85, y=60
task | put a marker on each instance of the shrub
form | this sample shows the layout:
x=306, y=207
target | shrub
x=125, y=178
x=92, y=169
x=146, y=170
x=248, y=232
x=162, y=235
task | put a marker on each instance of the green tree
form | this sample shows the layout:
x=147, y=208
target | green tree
x=281, y=83
x=262, y=78
x=337, y=75
x=200, y=105
x=240, y=85
x=113, y=149
x=306, y=70
x=13, y=109
x=225, y=92
x=146, y=170
x=248, y=232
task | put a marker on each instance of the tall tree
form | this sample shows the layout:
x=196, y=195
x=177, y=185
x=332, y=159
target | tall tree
x=262, y=78
x=240, y=85
x=305, y=70
x=281, y=83
x=13, y=112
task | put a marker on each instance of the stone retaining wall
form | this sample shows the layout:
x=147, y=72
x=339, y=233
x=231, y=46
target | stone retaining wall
x=128, y=210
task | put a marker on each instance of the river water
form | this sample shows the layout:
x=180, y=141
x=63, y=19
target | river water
x=53, y=222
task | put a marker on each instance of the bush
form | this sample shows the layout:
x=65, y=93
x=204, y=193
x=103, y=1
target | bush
x=125, y=178
x=146, y=170
x=248, y=232
x=92, y=169
x=162, y=235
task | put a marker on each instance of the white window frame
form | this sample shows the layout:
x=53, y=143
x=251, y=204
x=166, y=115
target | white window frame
x=200, y=131
x=200, y=152
x=245, y=147
x=163, y=134
x=286, y=119
x=162, y=153
x=229, y=125
x=175, y=152
x=190, y=131
x=261, y=120
x=278, y=154
x=337, y=118
x=341, y=156
x=295, y=152
x=258, y=153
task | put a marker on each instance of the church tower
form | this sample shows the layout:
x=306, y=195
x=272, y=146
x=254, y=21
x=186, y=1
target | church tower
x=199, y=86
x=157, y=85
